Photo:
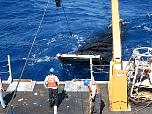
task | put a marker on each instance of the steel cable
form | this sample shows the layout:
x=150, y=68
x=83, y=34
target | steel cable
x=67, y=20
x=35, y=36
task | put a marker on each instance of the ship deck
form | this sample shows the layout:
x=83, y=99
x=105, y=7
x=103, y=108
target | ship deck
x=74, y=102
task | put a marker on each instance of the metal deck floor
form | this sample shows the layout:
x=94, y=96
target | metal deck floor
x=36, y=102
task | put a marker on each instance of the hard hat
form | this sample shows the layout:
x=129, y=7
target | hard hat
x=52, y=70
x=86, y=82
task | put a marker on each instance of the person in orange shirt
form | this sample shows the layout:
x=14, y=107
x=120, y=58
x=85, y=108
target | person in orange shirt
x=52, y=82
x=95, y=95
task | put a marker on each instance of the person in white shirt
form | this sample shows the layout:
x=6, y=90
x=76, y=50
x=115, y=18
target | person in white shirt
x=52, y=82
x=95, y=96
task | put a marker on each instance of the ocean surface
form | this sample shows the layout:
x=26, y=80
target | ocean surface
x=20, y=19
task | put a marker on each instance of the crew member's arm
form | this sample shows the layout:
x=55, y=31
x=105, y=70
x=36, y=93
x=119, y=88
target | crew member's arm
x=97, y=88
x=57, y=80
x=46, y=81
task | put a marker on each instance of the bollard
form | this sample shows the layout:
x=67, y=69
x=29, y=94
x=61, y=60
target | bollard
x=55, y=109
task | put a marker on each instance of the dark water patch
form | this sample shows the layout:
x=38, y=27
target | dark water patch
x=101, y=46
x=101, y=43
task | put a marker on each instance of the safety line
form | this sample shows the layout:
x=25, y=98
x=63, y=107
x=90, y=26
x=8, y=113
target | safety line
x=35, y=36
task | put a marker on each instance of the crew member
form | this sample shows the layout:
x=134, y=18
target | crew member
x=95, y=95
x=52, y=82
x=1, y=94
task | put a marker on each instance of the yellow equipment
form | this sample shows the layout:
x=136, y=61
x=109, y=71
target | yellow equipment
x=117, y=78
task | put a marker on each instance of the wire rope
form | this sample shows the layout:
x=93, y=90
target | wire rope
x=35, y=36
x=67, y=20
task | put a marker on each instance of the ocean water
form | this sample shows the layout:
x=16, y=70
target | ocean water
x=19, y=20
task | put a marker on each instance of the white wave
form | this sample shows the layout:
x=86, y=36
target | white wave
x=124, y=22
x=24, y=58
x=149, y=14
x=147, y=29
x=44, y=59
x=44, y=39
x=51, y=41
x=79, y=45
x=79, y=39
x=139, y=26
x=32, y=61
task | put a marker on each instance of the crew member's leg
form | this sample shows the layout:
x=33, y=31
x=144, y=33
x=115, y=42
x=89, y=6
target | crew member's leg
x=50, y=96
x=97, y=104
x=55, y=96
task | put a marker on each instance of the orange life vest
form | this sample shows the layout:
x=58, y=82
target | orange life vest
x=51, y=81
